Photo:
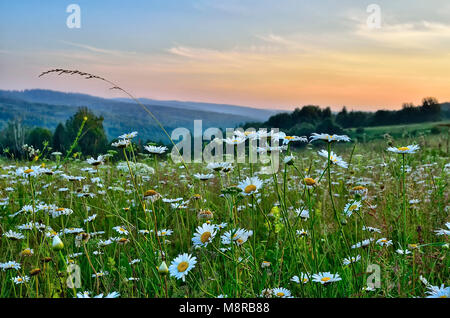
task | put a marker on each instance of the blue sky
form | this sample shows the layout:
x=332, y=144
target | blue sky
x=274, y=54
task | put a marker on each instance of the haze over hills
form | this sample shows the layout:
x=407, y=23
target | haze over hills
x=47, y=108
x=255, y=113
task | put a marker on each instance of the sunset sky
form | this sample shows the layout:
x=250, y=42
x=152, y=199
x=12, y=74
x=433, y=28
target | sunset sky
x=275, y=54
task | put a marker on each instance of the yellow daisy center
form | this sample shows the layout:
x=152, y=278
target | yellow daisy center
x=325, y=279
x=250, y=188
x=19, y=279
x=309, y=181
x=206, y=212
x=182, y=266
x=403, y=148
x=353, y=207
x=28, y=171
x=280, y=294
x=205, y=237
x=26, y=252
x=289, y=138
x=150, y=193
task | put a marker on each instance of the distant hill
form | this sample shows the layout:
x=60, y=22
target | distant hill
x=254, y=113
x=47, y=108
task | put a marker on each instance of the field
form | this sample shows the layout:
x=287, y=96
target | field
x=400, y=131
x=372, y=223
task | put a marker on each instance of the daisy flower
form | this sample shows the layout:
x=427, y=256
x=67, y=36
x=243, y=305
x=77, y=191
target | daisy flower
x=96, y=162
x=9, y=265
x=122, y=143
x=444, y=231
x=156, y=150
x=349, y=260
x=238, y=236
x=403, y=252
x=249, y=134
x=289, y=160
x=371, y=229
x=152, y=195
x=309, y=182
x=204, y=235
x=304, y=278
x=250, y=185
x=120, y=230
x=404, y=150
x=352, y=207
x=235, y=140
x=334, y=159
x=303, y=214
x=100, y=274
x=281, y=292
x=203, y=177
x=27, y=252
x=181, y=266
x=384, y=242
x=14, y=235
x=165, y=232
x=359, y=190
x=28, y=172
x=205, y=215
x=329, y=138
x=287, y=139
x=438, y=292
x=326, y=278
x=219, y=166
x=265, y=264
x=129, y=135
x=20, y=279
x=363, y=243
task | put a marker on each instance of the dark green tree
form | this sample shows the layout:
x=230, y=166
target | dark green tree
x=329, y=126
x=60, y=142
x=37, y=136
x=93, y=140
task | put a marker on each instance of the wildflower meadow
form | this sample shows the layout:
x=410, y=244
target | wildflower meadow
x=337, y=218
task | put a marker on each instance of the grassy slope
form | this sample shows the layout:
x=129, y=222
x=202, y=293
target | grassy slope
x=398, y=130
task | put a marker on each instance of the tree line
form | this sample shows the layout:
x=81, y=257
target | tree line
x=92, y=141
x=308, y=119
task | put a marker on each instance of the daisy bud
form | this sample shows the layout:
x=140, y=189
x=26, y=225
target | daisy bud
x=163, y=269
x=57, y=244
x=35, y=271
